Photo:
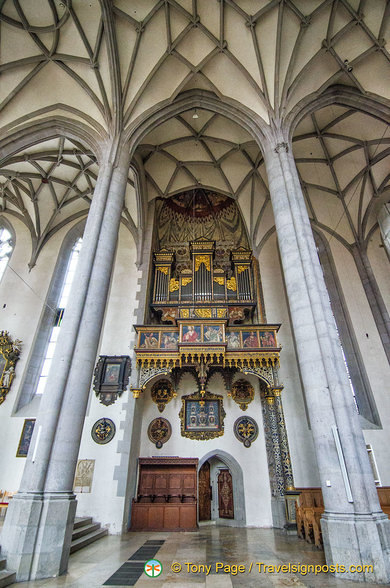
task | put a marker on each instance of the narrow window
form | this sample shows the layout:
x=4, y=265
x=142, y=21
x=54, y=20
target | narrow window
x=59, y=313
x=6, y=247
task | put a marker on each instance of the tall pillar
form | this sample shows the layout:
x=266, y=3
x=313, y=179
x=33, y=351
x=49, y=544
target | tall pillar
x=37, y=531
x=355, y=530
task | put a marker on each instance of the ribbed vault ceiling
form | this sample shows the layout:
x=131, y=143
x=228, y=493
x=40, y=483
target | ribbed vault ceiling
x=105, y=63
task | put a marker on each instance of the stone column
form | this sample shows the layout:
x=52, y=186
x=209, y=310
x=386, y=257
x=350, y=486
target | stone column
x=37, y=517
x=355, y=531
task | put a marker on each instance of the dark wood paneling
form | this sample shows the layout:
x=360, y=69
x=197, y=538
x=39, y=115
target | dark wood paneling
x=204, y=492
x=166, y=496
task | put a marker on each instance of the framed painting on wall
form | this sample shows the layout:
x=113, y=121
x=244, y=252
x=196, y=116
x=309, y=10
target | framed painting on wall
x=202, y=416
x=25, y=437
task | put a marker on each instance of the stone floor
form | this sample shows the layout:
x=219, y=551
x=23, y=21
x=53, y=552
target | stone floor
x=93, y=565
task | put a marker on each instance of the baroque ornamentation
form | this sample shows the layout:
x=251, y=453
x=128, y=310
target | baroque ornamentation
x=202, y=416
x=147, y=373
x=246, y=430
x=159, y=431
x=9, y=355
x=205, y=259
x=242, y=393
x=103, y=431
x=162, y=393
x=111, y=377
x=163, y=269
x=173, y=285
x=231, y=284
x=203, y=312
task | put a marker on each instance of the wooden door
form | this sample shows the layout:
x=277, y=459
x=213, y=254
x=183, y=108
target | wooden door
x=225, y=495
x=204, y=492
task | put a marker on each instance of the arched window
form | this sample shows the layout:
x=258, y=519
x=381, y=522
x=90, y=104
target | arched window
x=360, y=385
x=42, y=350
x=59, y=313
x=6, y=247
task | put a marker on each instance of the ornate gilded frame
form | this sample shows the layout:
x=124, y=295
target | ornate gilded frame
x=111, y=377
x=200, y=433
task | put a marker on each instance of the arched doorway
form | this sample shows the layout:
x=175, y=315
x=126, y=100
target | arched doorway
x=221, y=490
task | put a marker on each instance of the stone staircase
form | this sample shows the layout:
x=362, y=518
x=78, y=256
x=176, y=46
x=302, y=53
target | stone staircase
x=84, y=533
x=6, y=577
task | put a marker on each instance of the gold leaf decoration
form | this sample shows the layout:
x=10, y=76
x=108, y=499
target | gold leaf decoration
x=231, y=284
x=173, y=285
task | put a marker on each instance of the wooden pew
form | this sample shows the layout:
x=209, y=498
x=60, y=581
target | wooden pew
x=310, y=507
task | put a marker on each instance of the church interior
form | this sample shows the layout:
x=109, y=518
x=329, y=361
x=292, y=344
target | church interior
x=194, y=287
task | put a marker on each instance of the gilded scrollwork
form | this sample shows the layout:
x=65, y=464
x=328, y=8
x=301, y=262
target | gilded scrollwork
x=231, y=284
x=173, y=285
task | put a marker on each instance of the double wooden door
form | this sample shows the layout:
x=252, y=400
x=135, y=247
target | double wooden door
x=225, y=494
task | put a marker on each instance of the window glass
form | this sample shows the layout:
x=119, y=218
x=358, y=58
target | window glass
x=58, y=315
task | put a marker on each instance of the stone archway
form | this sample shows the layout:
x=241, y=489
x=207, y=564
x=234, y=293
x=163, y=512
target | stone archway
x=222, y=458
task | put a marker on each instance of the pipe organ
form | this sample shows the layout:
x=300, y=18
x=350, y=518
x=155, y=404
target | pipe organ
x=204, y=290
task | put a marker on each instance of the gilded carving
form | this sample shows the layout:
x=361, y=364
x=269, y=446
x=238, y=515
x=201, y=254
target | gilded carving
x=231, y=284
x=205, y=259
x=159, y=431
x=173, y=285
x=243, y=393
x=186, y=281
x=203, y=312
x=246, y=430
x=242, y=268
x=163, y=269
x=219, y=280
x=162, y=393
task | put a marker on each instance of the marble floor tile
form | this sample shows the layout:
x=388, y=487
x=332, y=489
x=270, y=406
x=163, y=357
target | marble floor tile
x=211, y=545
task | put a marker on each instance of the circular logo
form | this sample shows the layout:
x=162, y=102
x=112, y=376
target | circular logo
x=153, y=568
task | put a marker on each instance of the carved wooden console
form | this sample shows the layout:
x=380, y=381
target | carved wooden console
x=167, y=495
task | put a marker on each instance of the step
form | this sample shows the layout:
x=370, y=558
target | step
x=87, y=539
x=84, y=530
x=7, y=578
x=81, y=521
x=3, y=563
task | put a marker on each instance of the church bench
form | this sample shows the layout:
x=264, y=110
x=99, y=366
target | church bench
x=310, y=507
x=5, y=497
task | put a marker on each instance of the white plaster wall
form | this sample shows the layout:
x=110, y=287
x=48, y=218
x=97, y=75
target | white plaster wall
x=302, y=452
x=253, y=461
x=103, y=503
x=22, y=295
x=370, y=345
